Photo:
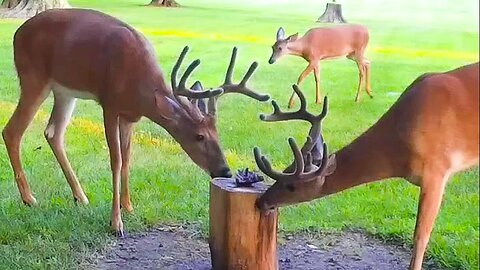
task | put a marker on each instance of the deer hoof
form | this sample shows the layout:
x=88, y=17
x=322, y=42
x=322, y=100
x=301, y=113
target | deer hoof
x=120, y=234
x=30, y=201
x=82, y=200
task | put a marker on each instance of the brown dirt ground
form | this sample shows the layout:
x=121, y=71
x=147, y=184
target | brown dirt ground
x=180, y=248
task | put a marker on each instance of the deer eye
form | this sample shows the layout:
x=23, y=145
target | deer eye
x=200, y=137
x=290, y=187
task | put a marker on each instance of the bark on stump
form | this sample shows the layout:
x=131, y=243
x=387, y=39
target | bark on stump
x=29, y=8
x=332, y=14
x=9, y=3
x=241, y=237
x=164, y=3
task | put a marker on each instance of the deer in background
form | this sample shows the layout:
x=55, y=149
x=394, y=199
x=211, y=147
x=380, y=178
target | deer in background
x=430, y=133
x=321, y=43
x=90, y=55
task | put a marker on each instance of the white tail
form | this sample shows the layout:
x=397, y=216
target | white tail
x=429, y=134
x=90, y=55
x=348, y=40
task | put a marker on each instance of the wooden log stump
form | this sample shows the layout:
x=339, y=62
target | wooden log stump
x=332, y=14
x=241, y=237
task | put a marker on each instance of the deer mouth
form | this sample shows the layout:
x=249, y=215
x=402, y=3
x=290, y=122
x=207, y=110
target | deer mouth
x=225, y=173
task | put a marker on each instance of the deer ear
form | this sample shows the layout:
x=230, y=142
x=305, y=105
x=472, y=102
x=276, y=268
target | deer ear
x=200, y=103
x=166, y=107
x=292, y=37
x=280, y=34
x=331, y=165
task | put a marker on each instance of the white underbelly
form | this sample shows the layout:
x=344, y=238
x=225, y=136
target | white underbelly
x=64, y=91
x=459, y=162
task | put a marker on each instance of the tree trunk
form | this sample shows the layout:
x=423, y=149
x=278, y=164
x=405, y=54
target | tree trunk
x=164, y=3
x=29, y=8
x=9, y=3
x=332, y=14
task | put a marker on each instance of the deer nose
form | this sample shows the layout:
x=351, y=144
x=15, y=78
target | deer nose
x=262, y=205
x=224, y=172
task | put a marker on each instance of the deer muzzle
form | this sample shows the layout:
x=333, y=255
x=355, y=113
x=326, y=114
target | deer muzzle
x=224, y=172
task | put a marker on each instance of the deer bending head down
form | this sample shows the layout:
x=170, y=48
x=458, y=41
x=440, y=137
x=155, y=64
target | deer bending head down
x=321, y=43
x=90, y=55
x=430, y=133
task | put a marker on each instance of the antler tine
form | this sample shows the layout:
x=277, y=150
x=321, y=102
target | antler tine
x=231, y=65
x=324, y=108
x=181, y=86
x=249, y=73
x=300, y=114
x=241, y=88
x=298, y=157
x=309, y=166
x=303, y=100
x=181, y=89
x=323, y=166
x=265, y=166
x=177, y=65
x=305, y=151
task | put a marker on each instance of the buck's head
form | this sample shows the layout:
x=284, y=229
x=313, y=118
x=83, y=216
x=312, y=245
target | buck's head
x=280, y=47
x=303, y=179
x=191, y=114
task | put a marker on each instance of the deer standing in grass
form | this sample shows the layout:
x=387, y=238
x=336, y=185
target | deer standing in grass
x=430, y=133
x=321, y=43
x=86, y=54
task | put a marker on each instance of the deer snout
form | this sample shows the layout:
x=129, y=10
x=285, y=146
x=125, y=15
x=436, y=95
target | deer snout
x=223, y=172
x=271, y=60
x=263, y=205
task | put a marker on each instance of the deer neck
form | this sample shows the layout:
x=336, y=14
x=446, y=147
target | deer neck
x=296, y=47
x=371, y=157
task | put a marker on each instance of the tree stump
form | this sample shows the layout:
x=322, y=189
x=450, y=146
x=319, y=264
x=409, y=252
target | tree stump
x=241, y=237
x=164, y=3
x=332, y=14
x=29, y=8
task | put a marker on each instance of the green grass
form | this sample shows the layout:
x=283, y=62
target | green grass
x=408, y=38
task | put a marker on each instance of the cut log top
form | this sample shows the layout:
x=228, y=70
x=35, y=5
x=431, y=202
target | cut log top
x=229, y=185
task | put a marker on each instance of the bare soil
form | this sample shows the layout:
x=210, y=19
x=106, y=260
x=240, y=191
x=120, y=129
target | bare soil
x=178, y=248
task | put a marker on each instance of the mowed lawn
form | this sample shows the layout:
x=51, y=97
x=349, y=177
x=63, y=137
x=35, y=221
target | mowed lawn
x=408, y=38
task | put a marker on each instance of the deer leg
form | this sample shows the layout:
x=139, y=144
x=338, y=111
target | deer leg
x=302, y=76
x=361, y=76
x=318, y=95
x=126, y=129
x=366, y=63
x=34, y=92
x=55, y=134
x=113, y=141
x=431, y=193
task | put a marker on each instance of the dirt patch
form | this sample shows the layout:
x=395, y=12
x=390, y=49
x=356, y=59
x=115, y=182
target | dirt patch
x=177, y=248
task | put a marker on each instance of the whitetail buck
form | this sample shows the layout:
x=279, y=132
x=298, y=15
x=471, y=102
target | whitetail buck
x=89, y=55
x=321, y=43
x=429, y=134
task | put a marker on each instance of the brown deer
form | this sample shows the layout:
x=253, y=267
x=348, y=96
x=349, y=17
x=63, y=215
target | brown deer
x=321, y=43
x=86, y=54
x=430, y=133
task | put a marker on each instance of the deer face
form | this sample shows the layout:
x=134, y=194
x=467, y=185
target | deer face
x=303, y=179
x=301, y=190
x=282, y=194
x=191, y=114
x=202, y=145
x=280, y=47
